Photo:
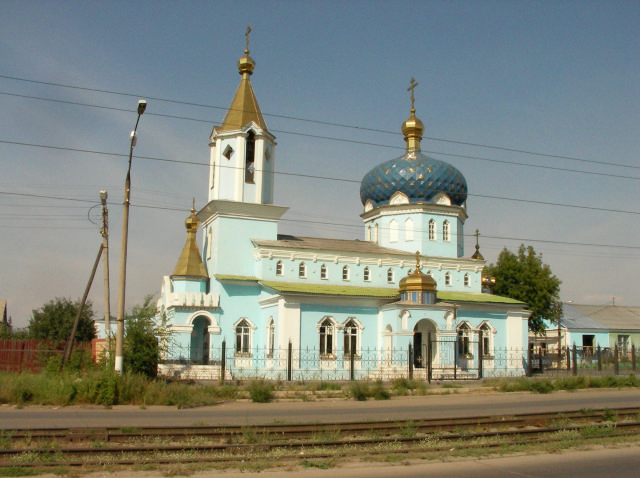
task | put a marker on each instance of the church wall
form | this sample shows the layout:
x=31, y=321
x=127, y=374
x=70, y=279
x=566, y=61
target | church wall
x=186, y=285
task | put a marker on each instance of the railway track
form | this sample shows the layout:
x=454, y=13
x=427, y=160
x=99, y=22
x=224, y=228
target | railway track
x=162, y=445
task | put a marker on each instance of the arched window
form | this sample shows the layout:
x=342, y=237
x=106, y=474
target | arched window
x=351, y=338
x=323, y=272
x=463, y=339
x=369, y=233
x=447, y=279
x=375, y=233
x=243, y=337
x=487, y=335
x=209, y=242
x=446, y=231
x=467, y=280
x=432, y=230
x=302, y=271
x=393, y=231
x=279, y=269
x=390, y=275
x=345, y=273
x=408, y=230
x=367, y=274
x=271, y=337
x=326, y=337
x=249, y=166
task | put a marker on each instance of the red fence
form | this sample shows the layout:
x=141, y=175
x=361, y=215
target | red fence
x=32, y=355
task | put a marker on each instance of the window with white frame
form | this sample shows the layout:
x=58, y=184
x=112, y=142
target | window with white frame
x=209, y=242
x=367, y=274
x=351, y=337
x=323, y=272
x=446, y=231
x=302, y=270
x=447, y=278
x=279, y=268
x=249, y=160
x=487, y=334
x=326, y=337
x=345, y=273
x=467, y=280
x=369, y=233
x=393, y=231
x=228, y=152
x=375, y=233
x=408, y=230
x=271, y=337
x=432, y=230
x=390, y=275
x=464, y=333
x=243, y=337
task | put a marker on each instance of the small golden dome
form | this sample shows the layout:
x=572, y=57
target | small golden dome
x=416, y=281
x=192, y=222
x=246, y=64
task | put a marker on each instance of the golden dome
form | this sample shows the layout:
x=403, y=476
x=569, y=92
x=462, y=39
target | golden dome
x=192, y=222
x=417, y=281
x=412, y=130
x=246, y=64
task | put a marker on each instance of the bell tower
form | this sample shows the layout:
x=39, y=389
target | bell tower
x=241, y=163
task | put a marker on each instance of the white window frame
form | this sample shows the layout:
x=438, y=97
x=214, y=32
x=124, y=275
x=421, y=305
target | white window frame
x=447, y=279
x=302, y=270
x=390, y=276
x=408, y=230
x=279, y=268
x=446, y=231
x=243, y=330
x=393, y=231
x=433, y=230
x=326, y=334
x=271, y=337
x=467, y=280
x=345, y=273
x=367, y=274
x=324, y=274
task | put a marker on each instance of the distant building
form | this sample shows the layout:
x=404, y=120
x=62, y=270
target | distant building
x=332, y=300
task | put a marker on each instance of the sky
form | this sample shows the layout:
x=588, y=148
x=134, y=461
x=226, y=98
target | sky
x=537, y=103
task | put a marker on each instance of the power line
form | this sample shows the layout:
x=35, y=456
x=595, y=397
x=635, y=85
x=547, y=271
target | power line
x=307, y=120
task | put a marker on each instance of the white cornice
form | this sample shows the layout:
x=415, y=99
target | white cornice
x=224, y=208
x=413, y=208
x=408, y=260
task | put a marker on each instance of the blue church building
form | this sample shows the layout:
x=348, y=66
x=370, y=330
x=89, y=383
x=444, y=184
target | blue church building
x=404, y=299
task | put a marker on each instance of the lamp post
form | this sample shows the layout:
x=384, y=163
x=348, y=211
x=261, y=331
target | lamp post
x=142, y=105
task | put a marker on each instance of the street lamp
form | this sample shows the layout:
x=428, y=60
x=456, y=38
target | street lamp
x=142, y=105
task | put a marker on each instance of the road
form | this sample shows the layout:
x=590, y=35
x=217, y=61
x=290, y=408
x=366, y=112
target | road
x=248, y=413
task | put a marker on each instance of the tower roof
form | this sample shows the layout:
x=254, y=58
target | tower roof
x=244, y=107
x=190, y=262
x=417, y=281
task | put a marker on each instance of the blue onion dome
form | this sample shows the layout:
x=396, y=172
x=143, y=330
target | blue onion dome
x=420, y=178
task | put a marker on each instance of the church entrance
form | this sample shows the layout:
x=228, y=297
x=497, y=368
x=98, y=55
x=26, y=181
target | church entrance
x=200, y=340
x=422, y=349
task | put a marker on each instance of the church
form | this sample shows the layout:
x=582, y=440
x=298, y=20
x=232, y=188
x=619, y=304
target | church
x=404, y=301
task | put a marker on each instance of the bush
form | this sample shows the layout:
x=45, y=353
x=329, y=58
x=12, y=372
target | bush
x=359, y=391
x=260, y=391
x=141, y=351
x=379, y=391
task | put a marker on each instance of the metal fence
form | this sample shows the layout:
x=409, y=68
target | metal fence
x=583, y=360
x=31, y=355
x=449, y=359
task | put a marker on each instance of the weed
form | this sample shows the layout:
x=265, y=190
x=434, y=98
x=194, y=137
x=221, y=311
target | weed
x=379, y=391
x=609, y=416
x=260, y=391
x=359, y=391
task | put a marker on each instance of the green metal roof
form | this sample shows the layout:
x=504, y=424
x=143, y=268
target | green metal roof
x=471, y=297
x=322, y=289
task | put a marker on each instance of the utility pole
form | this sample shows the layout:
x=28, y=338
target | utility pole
x=104, y=230
x=142, y=104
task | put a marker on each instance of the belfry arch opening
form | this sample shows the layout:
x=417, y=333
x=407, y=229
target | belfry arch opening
x=200, y=340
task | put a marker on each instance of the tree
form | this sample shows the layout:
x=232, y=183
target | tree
x=54, y=321
x=141, y=351
x=523, y=276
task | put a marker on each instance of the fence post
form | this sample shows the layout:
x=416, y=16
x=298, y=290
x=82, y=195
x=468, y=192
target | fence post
x=599, y=359
x=633, y=357
x=616, y=367
x=410, y=355
x=480, y=354
x=429, y=361
x=223, y=360
x=351, y=366
x=568, y=358
x=575, y=360
x=289, y=360
x=529, y=359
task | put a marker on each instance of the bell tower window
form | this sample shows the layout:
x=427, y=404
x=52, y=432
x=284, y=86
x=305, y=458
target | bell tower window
x=249, y=166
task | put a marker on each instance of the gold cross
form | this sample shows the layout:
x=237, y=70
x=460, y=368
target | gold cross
x=413, y=84
x=247, y=35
